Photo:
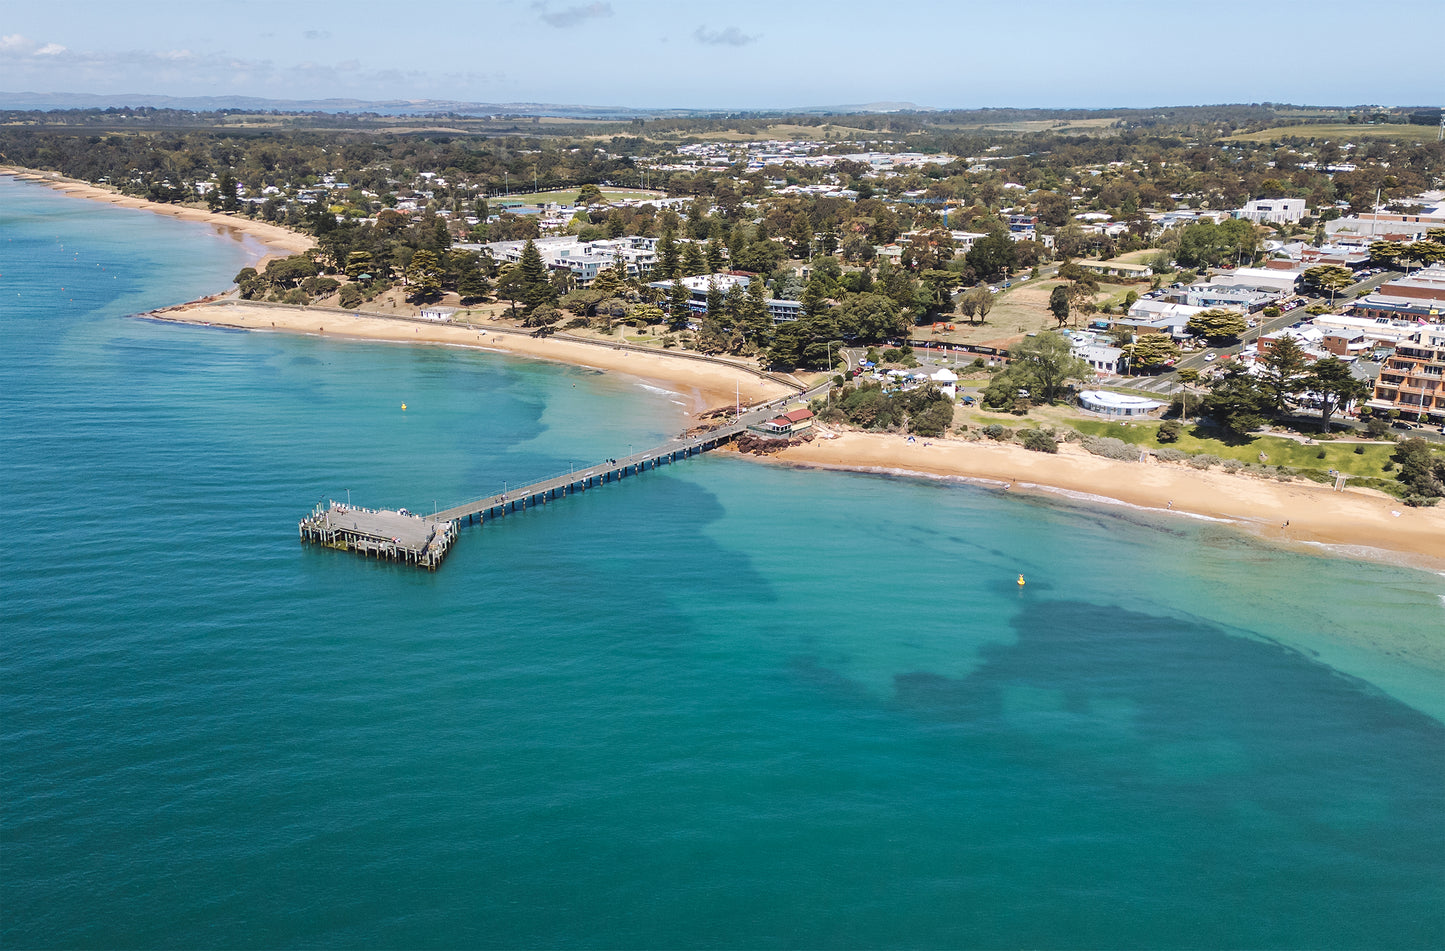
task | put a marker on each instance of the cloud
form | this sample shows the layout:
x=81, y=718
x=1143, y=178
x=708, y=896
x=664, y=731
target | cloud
x=729, y=36
x=14, y=45
x=317, y=34
x=572, y=15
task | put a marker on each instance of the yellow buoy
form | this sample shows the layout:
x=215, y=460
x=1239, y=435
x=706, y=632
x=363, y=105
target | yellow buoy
x=403, y=407
x=1021, y=581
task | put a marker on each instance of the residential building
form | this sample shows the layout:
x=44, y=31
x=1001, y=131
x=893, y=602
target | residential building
x=1412, y=380
x=1273, y=210
x=781, y=311
x=585, y=259
x=1117, y=268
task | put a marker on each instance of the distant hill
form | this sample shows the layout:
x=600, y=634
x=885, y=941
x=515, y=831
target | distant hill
x=400, y=107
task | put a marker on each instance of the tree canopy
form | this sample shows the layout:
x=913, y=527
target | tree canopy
x=1216, y=325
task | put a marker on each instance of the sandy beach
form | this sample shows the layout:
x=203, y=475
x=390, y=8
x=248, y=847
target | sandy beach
x=278, y=241
x=1356, y=522
x=703, y=385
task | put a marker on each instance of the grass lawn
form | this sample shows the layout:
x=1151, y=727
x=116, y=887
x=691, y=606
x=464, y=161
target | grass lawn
x=1278, y=450
x=1342, y=131
x=567, y=196
x=1137, y=257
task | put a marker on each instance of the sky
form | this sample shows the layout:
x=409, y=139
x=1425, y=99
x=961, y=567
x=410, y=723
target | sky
x=739, y=54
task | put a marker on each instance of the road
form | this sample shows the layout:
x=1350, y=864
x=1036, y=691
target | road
x=1168, y=382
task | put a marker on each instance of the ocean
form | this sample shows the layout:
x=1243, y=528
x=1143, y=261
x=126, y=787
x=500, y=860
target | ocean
x=722, y=705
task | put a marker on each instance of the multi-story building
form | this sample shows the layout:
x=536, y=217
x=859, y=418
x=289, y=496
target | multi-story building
x=585, y=259
x=1412, y=379
x=1273, y=210
x=1420, y=296
x=781, y=311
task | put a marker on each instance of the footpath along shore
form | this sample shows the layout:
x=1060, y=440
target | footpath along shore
x=1356, y=522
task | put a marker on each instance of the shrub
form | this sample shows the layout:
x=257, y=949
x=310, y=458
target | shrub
x=1321, y=454
x=1169, y=431
x=933, y=421
x=351, y=296
x=1039, y=440
x=1359, y=451
x=1110, y=448
x=995, y=431
x=1203, y=461
x=1232, y=465
x=1171, y=455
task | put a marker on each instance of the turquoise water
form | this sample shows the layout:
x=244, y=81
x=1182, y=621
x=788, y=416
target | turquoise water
x=720, y=705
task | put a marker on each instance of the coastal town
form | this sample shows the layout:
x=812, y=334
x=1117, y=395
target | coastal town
x=1260, y=299
x=624, y=474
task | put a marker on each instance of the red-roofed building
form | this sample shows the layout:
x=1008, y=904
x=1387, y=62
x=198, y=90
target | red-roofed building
x=788, y=424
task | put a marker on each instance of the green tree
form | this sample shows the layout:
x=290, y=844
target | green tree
x=1335, y=385
x=991, y=257
x=589, y=194
x=1422, y=470
x=817, y=294
x=669, y=258
x=679, y=314
x=424, y=276
x=754, y=319
x=1284, y=371
x=1216, y=325
x=536, y=287
x=1151, y=351
x=1059, y=304
x=510, y=286
x=1329, y=277
x=1236, y=403
x=694, y=262
x=473, y=286
x=1386, y=253
x=1047, y=364
x=871, y=318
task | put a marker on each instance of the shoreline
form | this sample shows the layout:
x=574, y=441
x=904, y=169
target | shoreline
x=703, y=385
x=276, y=240
x=1355, y=523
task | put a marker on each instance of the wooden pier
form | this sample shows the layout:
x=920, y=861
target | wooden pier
x=392, y=535
x=425, y=540
x=580, y=480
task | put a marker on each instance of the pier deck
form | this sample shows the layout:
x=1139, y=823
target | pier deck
x=393, y=535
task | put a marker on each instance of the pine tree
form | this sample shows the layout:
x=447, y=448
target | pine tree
x=714, y=254
x=536, y=289
x=1284, y=370
x=756, y=322
x=679, y=314
x=668, y=258
x=694, y=263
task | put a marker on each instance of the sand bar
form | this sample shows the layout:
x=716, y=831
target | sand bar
x=277, y=240
x=1353, y=522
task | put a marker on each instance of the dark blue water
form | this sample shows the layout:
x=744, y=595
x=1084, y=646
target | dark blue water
x=721, y=705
